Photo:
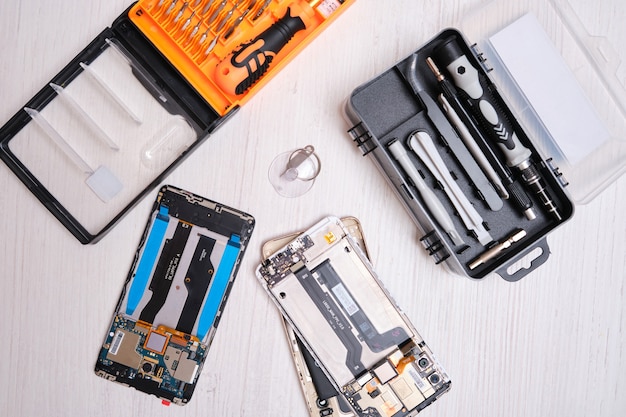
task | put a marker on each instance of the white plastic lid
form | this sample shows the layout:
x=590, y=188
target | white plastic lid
x=565, y=83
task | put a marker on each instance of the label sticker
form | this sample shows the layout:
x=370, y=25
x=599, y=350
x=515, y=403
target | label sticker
x=344, y=298
x=419, y=381
x=116, y=343
x=328, y=7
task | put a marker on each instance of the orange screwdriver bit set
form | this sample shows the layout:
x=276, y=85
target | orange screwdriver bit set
x=144, y=94
x=209, y=41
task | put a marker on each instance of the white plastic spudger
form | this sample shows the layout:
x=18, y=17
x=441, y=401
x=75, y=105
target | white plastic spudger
x=430, y=199
x=94, y=75
x=58, y=140
x=83, y=114
x=422, y=144
x=101, y=180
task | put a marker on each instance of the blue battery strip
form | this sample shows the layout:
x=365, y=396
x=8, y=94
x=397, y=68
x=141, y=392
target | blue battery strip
x=148, y=258
x=220, y=282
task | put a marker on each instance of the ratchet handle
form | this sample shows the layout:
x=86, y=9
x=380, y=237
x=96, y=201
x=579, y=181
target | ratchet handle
x=243, y=67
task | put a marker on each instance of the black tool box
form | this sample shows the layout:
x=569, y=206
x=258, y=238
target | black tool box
x=475, y=138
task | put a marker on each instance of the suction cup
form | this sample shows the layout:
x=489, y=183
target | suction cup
x=293, y=173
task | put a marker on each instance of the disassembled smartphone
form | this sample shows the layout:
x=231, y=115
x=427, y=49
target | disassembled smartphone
x=329, y=293
x=322, y=399
x=174, y=295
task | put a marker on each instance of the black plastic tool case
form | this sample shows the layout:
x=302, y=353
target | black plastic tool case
x=405, y=100
x=84, y=214
x=123, y=113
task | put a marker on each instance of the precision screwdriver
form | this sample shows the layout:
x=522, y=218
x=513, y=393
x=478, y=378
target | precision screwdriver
x=488, y=107
x=250, y=61
x=453, y=107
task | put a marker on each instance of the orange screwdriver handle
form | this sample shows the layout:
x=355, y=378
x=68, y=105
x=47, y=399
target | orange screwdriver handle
x=249, y=61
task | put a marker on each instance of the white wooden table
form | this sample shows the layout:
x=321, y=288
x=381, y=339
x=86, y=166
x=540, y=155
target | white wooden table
x=553, y=344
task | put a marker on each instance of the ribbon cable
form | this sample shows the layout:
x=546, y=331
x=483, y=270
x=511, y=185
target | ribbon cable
x=220, y=283
x=148, y=258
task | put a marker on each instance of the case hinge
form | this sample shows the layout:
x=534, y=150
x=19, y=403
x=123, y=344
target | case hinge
x=557, y=172
x=481, y=58
x=435, y=247
x=362, y=137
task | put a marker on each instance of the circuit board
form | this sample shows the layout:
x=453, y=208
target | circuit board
x=328, y=291
x=137, y=354
x=174, y=295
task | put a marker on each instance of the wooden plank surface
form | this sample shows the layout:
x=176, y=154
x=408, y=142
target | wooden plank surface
x=553, y=344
